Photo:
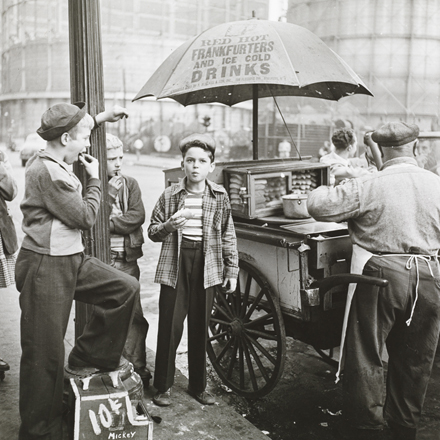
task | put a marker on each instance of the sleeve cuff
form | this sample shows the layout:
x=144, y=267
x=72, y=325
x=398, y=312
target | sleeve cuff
x=96, y=125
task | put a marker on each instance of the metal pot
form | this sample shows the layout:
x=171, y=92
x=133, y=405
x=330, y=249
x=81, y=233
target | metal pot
x=295, y=206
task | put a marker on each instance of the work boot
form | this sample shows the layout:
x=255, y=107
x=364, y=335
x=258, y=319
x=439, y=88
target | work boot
x=204, y=397
x=162, y=399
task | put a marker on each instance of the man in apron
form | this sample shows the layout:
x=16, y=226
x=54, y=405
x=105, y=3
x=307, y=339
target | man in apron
x=394, y=223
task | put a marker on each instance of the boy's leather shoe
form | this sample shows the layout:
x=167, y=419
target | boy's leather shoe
x=4, y=366
x=204, y=397
x=80, y=368
x=162, y=399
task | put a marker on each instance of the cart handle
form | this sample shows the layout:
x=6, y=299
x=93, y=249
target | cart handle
x=334, y=280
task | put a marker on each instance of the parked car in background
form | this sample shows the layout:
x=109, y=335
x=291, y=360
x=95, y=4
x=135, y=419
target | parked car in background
x=31, y=145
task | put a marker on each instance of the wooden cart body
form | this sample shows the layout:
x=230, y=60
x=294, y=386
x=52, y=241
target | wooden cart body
x=282, y=265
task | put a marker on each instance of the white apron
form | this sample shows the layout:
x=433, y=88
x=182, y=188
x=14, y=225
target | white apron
x=359, y=259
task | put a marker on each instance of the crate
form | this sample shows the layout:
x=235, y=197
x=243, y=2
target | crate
x=256, y=191
x=101, y=411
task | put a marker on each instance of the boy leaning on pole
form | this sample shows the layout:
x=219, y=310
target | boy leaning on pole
x=52, y=270
x=193, y=221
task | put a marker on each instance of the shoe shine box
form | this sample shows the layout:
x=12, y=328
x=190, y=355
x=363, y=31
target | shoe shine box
x=104, y=407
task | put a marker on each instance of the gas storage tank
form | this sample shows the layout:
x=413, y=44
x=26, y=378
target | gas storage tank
x=394, y=45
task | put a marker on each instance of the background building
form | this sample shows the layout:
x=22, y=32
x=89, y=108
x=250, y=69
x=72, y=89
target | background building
x=394, y=45
x=137, y=35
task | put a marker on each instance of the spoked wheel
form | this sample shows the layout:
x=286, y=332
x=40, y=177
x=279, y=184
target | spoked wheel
x=247, y=338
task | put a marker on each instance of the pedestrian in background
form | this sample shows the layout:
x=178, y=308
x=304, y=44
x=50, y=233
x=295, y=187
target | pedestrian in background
x=345, y=143
x=193, y=221
x=8, y=235
x=127, y=215
x=138, y=145
x=52, y=270
x=394, y=223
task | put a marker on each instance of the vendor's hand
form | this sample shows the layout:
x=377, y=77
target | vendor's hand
x=229, y=285
x=91, y=165
x=113, y=115
x=114, y=185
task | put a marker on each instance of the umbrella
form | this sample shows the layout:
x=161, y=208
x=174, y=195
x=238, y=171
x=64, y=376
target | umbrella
x=251, y=59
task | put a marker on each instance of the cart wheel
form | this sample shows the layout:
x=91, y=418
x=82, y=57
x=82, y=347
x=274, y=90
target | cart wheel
x=328, y=356
x=247, y=338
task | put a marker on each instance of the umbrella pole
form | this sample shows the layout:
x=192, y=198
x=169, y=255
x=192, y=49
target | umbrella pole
x=255, y=121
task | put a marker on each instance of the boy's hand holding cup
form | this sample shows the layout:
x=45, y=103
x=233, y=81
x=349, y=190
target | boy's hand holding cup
x=178, y=219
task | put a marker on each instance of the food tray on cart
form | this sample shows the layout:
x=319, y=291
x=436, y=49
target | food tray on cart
x=257, y=191
x=315, y=227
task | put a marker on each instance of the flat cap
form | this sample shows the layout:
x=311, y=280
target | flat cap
x=60, y=118
x=198, y=138
x=395, y=134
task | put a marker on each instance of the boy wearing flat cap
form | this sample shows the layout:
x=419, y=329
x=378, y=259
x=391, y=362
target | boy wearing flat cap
x=394, y=223
x=52, y=270
x=193, y=221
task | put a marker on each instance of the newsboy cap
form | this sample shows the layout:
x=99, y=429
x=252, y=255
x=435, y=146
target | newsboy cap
x=60, y=118
x=395, y=134
x=198, y=138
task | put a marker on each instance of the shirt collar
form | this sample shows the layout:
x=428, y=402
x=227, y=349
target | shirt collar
x=45, y=155
x=181, y=186
x=399, y=161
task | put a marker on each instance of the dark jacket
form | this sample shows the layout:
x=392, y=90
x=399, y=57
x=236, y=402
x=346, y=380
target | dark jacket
x=130, y=223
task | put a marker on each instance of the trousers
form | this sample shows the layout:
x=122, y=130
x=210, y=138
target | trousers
x=134, y=350
x=379, y=317
x=189, y=298
x=48, y=285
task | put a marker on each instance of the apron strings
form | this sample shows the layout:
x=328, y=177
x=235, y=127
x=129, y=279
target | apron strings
x=409, y=265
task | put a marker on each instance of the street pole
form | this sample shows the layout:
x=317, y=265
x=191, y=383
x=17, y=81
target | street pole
x=86, y=84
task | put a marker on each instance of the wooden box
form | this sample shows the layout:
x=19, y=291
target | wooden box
x=101, y=411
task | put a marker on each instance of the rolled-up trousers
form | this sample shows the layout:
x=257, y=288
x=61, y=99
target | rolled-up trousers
x=189, y=298
x=379, y=316
x=48, y=285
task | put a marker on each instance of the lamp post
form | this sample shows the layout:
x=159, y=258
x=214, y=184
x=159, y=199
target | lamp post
x=86, y=73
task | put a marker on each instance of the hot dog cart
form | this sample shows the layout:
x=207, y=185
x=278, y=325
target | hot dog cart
x=290, y=280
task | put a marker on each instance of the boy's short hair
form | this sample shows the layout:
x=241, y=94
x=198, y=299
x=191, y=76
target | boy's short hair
x=113, y=142
x=61, y=118
x=343, y=137
x=87, y=121
x=200, y=140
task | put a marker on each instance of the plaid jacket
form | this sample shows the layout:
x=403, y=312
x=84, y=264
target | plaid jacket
x=219, y=241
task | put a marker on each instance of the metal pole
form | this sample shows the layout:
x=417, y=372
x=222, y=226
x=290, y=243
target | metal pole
x=86, y=84
x=255, y=122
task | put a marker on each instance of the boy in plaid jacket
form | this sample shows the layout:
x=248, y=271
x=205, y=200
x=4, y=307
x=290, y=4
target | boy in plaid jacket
x=193, y=221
